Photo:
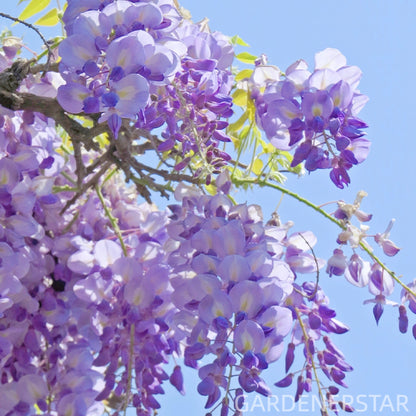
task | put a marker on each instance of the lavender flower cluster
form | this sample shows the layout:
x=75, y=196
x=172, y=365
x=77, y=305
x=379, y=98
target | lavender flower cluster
x=141, y=61
x=85, y=322
x=315, y=113
x=239, y=301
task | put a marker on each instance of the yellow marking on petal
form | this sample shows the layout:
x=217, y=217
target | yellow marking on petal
x=290, y=114
x=316, y=110
x=4, y=177
x=247, y=345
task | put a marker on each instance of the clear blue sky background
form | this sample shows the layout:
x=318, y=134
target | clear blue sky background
x=379, y=37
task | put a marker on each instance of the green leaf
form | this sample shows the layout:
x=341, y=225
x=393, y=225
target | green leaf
x=211, y=189
x=257, y=166
x=246, y=57
x=239, y=123
x=245, y=73
x=50, y=19
x=244, y=133
x=240, y=97
x=236, y=40
x=34, y=7
x=256, y=133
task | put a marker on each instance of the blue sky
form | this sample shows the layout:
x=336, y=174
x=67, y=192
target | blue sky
x=379, y=38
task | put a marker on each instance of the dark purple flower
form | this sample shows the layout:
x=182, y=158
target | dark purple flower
x=176, y=379
x=285, y=382
x=290, y=356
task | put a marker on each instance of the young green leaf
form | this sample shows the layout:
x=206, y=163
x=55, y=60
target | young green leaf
x=240, y=97
x=236, y=40
x=34, y=7
x=257, y=166
x=49, y=19
x=239, y=123
x=246, y=57
x=245, y=73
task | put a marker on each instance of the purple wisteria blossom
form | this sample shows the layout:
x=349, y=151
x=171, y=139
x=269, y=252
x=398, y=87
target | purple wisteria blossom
x=315, y=114
x=131, y=60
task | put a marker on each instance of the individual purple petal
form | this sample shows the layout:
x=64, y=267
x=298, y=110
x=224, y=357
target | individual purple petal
x=329, y=358
x=403, y=319
x=390, y=249
x=301, y=153
x=92, y=289
x=106, y=252
x=72, y=404
x=193, y=353
x=212, y=306
x=128, y=52
x=290, y=356
x=285, y=382
x=246, y=296
x=321, y=79
x=317, y=159
x=317, y=103
x=278, y=318
x=229, y=239
x=92, y=24
x=336, y=326
x=33, y=388
x=110, y=99
x=285, y=110
x=176, y=379
x=249, y=360
x=343, y=365
x=377, y=311
x=330, y=58
x=149, y=14
x=91, y=105
x=248, y=336
x=338, y=376
x=247, y=381
x=337, y=263
x=91, y=68
x=133, y=91
x=341, y=94
x=299, y=388
x=331, y=347
x=9, y=173
x=117, y=73
x=357, y=271
x=71, y=97
x=314, y=320
x=213, y=398
x=114, y=123
x=234, y=268
x=361, y=148
x=76, y=50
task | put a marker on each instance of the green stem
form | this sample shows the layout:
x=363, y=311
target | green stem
x=261, y=182
x=112, y=219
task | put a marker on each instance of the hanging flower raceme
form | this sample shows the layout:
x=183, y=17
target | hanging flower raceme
x=235, y=293
x=315, y=114
x=131, y=60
